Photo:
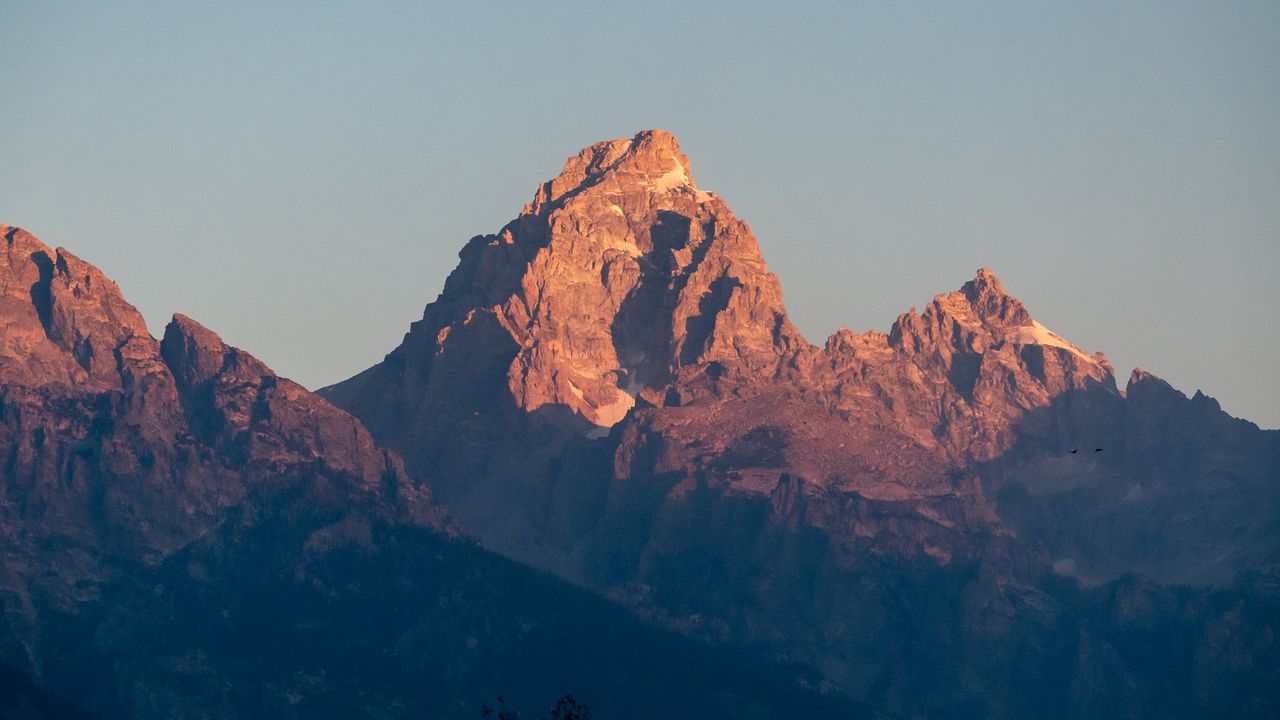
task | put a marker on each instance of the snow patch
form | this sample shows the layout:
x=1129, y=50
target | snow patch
x=1037, y=334
x=674, y=178
x=611, y=413
x=607, y=414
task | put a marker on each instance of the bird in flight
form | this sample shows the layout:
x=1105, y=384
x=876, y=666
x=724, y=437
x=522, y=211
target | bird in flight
x=1075, y=450
x=1097, y=449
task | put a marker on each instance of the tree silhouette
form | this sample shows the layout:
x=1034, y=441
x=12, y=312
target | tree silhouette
x=569, y=709
x=566, y=708
x=503, y=713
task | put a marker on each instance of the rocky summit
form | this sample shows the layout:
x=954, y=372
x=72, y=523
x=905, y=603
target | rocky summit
x=609, y=388
x=617, y=276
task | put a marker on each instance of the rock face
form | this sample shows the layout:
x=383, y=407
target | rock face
x=609, y=388
x=1179, y=491
x=119, y=450
x=186, y=534
x=136, y=445
x=618, y=274
x=617, y=278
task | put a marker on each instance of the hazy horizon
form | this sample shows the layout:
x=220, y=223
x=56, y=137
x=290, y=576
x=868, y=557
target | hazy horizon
x=300, y=180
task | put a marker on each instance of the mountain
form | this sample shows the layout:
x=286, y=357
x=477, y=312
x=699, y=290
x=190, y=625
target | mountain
x=187, y=534
x=619, y=275
x=962, y=517
x=609, y=388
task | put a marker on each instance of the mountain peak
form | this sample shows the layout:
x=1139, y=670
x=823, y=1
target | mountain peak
x=982, y=316
x=1140, y=377
x=992, y=304
x=984, y=281
x=192, y=327
x=651, y=160
x=619, y=274
x=195, y=353
x=63, y=319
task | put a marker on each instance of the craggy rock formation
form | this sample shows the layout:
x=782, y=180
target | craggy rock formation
x=609, y=388
x=118, y=450
x=1181, y=491
x=618, y=276
x=186, y=534
x=117, y=442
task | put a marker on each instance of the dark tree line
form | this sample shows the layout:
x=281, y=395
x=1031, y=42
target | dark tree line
x=566, y=708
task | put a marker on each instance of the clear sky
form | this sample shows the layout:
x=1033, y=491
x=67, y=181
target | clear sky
x=300, y=177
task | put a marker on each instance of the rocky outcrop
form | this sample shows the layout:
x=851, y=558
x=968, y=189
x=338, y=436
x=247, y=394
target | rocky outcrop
x=138, y=443
x=1154, y=482
x=64, y=321
x=236, y=404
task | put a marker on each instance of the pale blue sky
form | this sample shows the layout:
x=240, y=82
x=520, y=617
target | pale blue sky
x=300, y=178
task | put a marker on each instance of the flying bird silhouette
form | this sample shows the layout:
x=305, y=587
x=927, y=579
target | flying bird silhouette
x=1097, y=449
x=1075, y=450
